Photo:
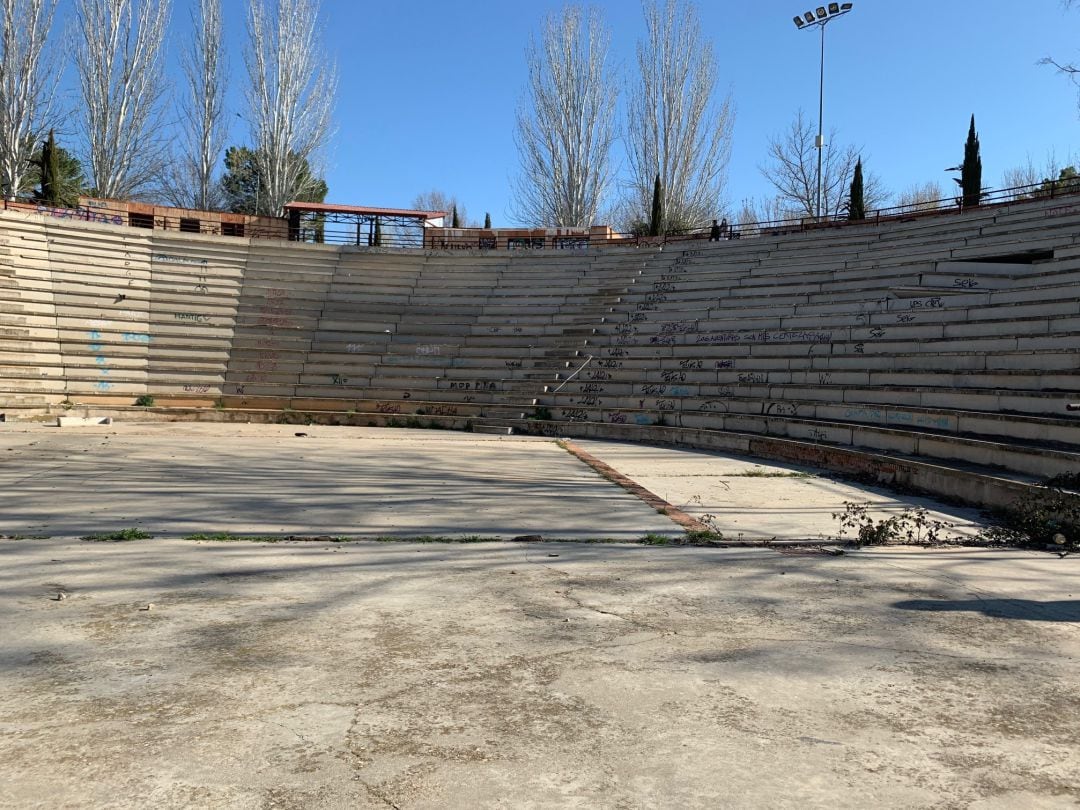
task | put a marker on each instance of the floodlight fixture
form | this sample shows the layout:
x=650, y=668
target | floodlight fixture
x=821, y=17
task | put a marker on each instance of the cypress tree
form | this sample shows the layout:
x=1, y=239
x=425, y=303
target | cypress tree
x=487, y=221
x=857, y=203
x=971, y=170
x=50, y=171
x=656, y=216
x=454, y=218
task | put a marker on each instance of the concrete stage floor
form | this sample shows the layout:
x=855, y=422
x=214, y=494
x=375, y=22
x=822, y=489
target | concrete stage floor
x=495, y=674
x=183, y=478
x=548, y=675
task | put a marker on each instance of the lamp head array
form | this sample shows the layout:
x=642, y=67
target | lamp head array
x=822, y=14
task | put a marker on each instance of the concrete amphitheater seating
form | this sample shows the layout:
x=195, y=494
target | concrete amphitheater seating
x=940, y=352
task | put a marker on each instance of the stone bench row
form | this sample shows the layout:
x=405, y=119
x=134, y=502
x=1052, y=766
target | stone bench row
x=1035, y=461
x=1038, y=403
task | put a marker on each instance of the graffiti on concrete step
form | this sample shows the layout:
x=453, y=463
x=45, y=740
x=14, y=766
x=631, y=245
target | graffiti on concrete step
x=639, y=317
x=673, y=376
x=460, y=386
x=781, y=409
x=165, y=258
x=574, y=414
x=919, y=420
x=663, y=340
x=725, y=364
x=877, y=332
x=135, y=337
x=443, y=410
x=338, y=379
x=753, y=378
x=765, y=336
x=965, y=283
x=926, y=303
x=617, y=418
x=275, y=311
x=679, y=328
x=192, y=317
x=196, y=389
x=666, y=404
x=863, y=414
x=905, y=317
x=387, y=407
x=428, y=349
x=654, y=390
x=691, y=364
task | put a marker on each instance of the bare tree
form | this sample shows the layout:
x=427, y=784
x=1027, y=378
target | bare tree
x=792, y=170
x=28, y=78
x=566, y=125
x=1027, y=174
x=1068, y=68
x=191, y=181
x=119, y=63
x=436, y=200
x=925, y=197
x=290, y=95
x=677, y=129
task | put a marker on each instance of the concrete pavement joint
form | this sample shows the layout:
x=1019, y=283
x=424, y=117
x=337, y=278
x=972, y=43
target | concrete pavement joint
x=652, y=499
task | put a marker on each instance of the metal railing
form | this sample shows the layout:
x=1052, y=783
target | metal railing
x=588, y=360
x=322, y=230
x=1047, y=190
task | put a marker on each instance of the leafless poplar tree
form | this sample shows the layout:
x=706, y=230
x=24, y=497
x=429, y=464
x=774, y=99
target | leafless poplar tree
x=566, y=123
x=119, y=63
x=290, y=96
x=28, y=78
x=191, y=179
x=792, y=170
x=925, y=197
x=436, y=200
x=676, y=127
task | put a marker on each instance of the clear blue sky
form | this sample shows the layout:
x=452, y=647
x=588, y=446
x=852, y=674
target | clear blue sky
x=428, y=89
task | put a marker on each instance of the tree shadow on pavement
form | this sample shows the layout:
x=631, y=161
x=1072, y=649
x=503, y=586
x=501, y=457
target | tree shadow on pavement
x=1061, y=610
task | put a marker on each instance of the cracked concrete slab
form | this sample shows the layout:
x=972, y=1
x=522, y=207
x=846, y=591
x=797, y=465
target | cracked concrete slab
x=183, y=478
x=493, y=675
x=751, y=499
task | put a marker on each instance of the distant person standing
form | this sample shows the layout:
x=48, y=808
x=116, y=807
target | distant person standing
x=714, y=232
x=723, y=229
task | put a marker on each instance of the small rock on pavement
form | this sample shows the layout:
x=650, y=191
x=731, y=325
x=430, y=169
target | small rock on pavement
x=149, y=606
x=60, y=597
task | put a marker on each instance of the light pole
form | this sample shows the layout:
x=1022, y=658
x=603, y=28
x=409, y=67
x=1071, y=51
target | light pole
x=821, y=17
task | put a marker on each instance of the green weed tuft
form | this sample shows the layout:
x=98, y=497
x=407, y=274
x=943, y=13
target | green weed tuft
x=121, y=536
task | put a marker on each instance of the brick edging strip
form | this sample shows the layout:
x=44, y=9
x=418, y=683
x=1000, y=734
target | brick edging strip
x=652, y=499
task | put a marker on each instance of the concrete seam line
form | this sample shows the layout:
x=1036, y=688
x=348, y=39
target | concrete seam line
x=652, y=499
